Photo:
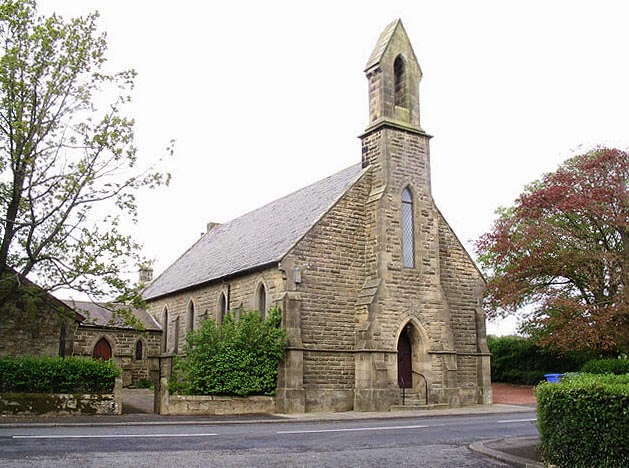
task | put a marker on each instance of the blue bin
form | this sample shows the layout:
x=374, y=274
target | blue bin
x=553, y=378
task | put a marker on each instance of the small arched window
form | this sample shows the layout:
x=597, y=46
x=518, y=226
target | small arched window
x=400, y=86
x=165, y=330
x=408, y=236
x=190, y=317
x=139, y=350
x=261, y=300
x=222, y=307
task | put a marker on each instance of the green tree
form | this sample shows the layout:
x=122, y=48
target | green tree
x=236, y=357
x=67, y=159
x=563, y=249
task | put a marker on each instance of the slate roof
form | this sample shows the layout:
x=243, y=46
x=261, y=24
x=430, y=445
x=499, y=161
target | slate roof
x=261, y=237
x=98, y=315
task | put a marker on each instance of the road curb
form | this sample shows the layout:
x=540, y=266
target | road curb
x=483, y=448
x=157, y=420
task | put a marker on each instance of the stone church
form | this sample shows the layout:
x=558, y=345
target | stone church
x=380, y=300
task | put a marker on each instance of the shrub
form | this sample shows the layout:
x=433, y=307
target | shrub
x=56, y=375
x=606, y=366
x=584, y=421
x=519, y=360
x=236, y=357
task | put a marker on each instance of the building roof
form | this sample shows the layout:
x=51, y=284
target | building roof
x=101, y=315
x=261, y=237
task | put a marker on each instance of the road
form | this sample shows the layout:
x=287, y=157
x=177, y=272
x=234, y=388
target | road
x=400, y=442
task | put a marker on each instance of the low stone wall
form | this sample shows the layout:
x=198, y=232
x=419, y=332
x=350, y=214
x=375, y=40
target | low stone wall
x=212, y=404
x=50, y=404
x=217, y=405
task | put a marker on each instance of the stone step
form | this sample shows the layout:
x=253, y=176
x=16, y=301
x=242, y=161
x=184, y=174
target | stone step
x=418, y=407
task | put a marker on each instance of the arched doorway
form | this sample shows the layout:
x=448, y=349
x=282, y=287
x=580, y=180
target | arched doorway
x=404, y=360
x=102, y=350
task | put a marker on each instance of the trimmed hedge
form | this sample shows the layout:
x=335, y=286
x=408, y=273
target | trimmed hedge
x=584, y=421
x=519, y=360
x=606, y=366
x=56, y=375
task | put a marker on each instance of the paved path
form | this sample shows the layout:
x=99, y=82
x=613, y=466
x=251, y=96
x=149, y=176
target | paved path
x=137, y=400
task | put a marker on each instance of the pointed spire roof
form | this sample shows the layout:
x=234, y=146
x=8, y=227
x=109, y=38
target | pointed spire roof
x=393, y=28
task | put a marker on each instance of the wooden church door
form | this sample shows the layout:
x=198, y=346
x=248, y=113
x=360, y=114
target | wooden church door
x=404, y=361
x=102, y=350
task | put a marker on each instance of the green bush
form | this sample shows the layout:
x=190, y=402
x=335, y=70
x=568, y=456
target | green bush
x=56, y=375
x=236, y=357
x=519, y=360
x=584, y=421
x=606, y=366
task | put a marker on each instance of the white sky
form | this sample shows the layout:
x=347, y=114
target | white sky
x=265, y=97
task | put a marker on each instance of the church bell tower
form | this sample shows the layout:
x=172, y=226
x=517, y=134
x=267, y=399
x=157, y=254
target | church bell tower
x=402, y=297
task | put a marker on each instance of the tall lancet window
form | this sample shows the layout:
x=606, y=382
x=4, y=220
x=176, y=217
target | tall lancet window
x=261, y=300
x=408, y=235
x=399, y=73
x=165, y=331
x=222, y=307
x=190, y=317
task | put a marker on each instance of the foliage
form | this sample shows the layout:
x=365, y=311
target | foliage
x=143, y=383
x=236, y=357
x=584, y=421
x=519, y=360
x=56, y=375
x=606, y=366
x=564, y=249
x=64, y=151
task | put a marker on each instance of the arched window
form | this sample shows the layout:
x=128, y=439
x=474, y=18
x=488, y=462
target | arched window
x=102, y=350
x=139, y=350
x=190, y=317
x=408, y=236
x=165, y=331
x=400, y=86
x=176, y=340
x=261, y=300
x=222, y=307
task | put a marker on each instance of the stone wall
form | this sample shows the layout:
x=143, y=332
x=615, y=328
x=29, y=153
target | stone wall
x=123, y=343
x=241, y=294
x=463, y=286
x=47, y=404
x=218, y=405
x=331, y=260
x=210, y=404
x=35, y=327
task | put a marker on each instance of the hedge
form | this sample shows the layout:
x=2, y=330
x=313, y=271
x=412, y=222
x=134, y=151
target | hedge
x=56, y=375
x=519, y=360
x=606, y=366
x=237, y=357
x=584, y=421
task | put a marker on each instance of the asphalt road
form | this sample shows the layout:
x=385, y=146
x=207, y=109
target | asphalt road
x=398, y=442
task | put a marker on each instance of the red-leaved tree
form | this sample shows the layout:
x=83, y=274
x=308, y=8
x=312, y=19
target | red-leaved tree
x=563, y=250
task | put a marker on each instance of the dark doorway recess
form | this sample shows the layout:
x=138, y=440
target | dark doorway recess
x=404, y=360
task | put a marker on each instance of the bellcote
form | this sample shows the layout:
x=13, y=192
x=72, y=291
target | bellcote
x=394, y=75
